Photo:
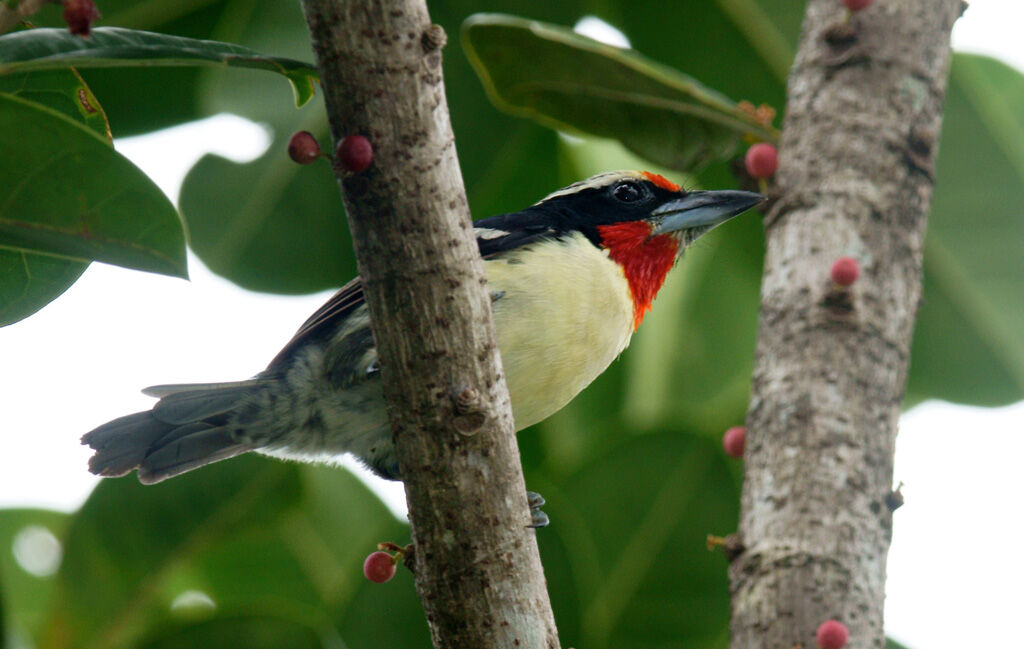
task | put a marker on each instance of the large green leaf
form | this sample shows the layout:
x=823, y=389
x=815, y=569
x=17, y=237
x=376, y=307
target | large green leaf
x=28, y=540
x=129, y=540
x=63, y=90
x=629, y=566
x=113, y=47
x=68, y=196
x=307, y=567
x=572, y=82
x=137, y=99
x=289, y=234
x=968, y=345
x=29, y=281
x=245, y=544
x=270, y=224
x=248, y=631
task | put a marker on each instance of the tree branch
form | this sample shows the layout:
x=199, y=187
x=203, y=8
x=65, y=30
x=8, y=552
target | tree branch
x=477, y=567
x=855, y=178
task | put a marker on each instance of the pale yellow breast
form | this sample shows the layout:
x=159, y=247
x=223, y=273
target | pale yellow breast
x=563, y=318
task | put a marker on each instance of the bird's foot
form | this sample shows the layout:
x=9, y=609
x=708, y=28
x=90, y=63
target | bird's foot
x=537, y=517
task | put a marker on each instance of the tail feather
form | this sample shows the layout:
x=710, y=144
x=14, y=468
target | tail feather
x=199, y=404
x=185, y=448
x=121, y=445
x=168, y=389
x=183, y=431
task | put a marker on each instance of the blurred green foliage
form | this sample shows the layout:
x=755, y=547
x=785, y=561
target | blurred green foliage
x=255, y=553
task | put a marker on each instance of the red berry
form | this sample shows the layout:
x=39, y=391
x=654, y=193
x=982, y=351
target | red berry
x=857, y=5
x=355, y=153
x=845, y=271
x=832, y=634
x=303, y=147
x=734, y=441
x=761, y=160
x=79, y=15
x=379, y=567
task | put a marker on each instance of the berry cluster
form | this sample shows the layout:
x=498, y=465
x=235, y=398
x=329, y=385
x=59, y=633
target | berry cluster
x=354, y=152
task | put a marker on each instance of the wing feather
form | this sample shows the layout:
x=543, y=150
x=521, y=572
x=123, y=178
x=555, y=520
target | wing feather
x=494, y=238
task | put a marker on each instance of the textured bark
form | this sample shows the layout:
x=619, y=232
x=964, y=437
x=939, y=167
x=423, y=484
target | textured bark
x=855, y=178
x=477, y=567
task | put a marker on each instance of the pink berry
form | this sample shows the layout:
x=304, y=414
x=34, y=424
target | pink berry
x=379, y=567
x=303, y=148
x=734, y=441
x=79, y=15
x=762, y=160
x=845, y=271
x=832, y=634
x=355, y=153
x=857, y=5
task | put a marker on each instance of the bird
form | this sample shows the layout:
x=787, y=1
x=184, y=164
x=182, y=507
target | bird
x=570, y=279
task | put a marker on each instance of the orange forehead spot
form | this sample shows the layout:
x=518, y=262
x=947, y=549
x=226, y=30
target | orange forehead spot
x=661, y=181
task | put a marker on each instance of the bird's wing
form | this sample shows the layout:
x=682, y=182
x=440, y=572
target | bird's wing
x=318, y=327
x=499, y=234
x=495, y=236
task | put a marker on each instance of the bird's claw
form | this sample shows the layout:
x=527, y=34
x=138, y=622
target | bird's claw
x=537, y=517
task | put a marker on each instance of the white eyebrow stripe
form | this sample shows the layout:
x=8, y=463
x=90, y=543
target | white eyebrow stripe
x=595, y=182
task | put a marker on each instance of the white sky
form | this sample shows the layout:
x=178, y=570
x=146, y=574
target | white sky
x=954, y=569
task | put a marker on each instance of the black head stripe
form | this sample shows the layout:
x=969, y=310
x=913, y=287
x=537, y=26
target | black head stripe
x=578, y=208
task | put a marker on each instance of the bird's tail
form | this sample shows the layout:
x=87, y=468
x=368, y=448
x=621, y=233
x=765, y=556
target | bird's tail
x=187, y=428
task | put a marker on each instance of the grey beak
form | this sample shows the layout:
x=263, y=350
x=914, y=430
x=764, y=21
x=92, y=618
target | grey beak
x=705, y=208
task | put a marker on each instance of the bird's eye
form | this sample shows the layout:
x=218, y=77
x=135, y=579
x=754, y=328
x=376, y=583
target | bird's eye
x=627, y=192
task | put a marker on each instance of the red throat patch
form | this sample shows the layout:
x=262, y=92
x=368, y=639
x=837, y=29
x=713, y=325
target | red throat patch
x=645, y=260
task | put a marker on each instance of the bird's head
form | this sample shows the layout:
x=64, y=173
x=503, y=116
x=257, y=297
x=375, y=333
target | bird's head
x=644, y=222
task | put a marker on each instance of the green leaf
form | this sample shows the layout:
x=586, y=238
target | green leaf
x=72, y=196
x=159, y=96
x=129, y=540
x=311, y=559
x=51, y=48
x=277, y=27
x=629, y=566
x=26, y=545
x=301, y=208
x=967, y=344
x=28, y=282
x=241, y=630
x=571, y=82
x=62, y=90
x=270, y=224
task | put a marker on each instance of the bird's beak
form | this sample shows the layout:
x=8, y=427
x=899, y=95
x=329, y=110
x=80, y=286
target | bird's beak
x=706, y=208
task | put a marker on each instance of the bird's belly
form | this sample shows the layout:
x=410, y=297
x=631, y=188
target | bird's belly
x=557, y=331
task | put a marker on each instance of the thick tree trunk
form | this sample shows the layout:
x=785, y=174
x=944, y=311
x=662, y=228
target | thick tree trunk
x=477, y=567
x=855, y=179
